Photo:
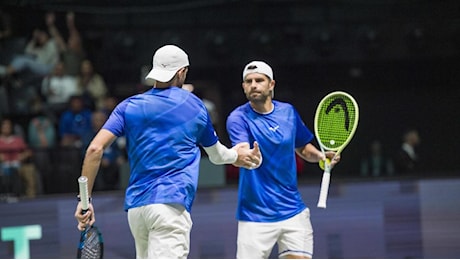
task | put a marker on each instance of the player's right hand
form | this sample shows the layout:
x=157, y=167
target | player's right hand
x=248, y=158
x=86, y=219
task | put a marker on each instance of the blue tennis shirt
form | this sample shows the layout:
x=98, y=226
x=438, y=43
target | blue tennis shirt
x=269, y=193
x=163, y=128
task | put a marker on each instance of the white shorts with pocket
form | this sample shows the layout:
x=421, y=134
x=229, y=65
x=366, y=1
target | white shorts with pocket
x=161, y=231
x=294, y=237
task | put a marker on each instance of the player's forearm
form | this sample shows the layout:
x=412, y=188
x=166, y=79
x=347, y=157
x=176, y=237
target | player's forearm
x=309, y=153
x=91, y=164
x=93, y=157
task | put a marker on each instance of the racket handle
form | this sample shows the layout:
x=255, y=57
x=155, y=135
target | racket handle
x=324, y=190
x=83, y=187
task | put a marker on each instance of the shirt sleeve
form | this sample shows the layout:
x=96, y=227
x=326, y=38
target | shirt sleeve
x=237, y=129
x=116, y=121
x=209, y=136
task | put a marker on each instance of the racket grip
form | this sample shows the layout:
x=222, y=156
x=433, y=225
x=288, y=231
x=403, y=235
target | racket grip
x=83, y=188
x=324, y=190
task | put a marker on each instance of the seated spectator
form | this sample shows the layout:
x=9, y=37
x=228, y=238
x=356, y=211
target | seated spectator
x=57, y=88
x=91, y=85
x=42, y=140
x=71, y=51
x=15, y=162
x=41, y=132
x=108, y=104
x=75, y=123
x=40, y=56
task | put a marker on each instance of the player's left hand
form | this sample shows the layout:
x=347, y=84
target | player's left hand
x=333, y=161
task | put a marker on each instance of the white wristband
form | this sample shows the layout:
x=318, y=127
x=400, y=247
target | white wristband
x=219, y=154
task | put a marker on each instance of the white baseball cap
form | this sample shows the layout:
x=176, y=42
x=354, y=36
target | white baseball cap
x=167, y=60
x=258, y=67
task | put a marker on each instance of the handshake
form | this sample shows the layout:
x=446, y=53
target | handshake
x=247, y=157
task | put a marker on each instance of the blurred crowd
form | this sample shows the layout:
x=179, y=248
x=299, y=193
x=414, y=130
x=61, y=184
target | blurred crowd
x=52, y=102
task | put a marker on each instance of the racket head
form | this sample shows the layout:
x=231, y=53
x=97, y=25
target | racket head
x=91, y=244
x=336, y=120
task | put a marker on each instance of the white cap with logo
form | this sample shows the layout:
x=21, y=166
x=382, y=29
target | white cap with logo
x=258, y=67
x=167, y=60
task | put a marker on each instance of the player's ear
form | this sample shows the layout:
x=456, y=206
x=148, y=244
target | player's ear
x=183, y=70
x=272, y=88
x=272, y=85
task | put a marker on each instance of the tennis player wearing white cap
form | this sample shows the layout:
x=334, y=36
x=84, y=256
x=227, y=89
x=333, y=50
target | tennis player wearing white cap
x=164, y=128
x=270, y=207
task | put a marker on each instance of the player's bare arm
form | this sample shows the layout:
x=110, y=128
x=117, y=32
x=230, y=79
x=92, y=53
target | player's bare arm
x=311, y=154
x=90, y=168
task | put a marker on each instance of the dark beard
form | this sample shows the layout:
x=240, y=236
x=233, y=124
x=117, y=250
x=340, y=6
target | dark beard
x=260, y=99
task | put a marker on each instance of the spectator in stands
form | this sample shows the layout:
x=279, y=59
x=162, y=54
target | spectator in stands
x=5, y=33
x=75, y=123
x=57, y=88
x=375, y=163
x=112, y=157
x=15, y=162
x=40, y=57
x=12, y=42
x=71, y=51
x=5, y=25
x=406, y=161
x=42, y=140
x=109, y=103
x=41, y=132
x=91, y=85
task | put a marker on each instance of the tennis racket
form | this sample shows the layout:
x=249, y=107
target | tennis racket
x=336, y=120
x=91, y=245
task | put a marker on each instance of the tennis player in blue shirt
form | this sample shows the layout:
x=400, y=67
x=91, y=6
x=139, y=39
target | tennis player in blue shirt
x=270, y=208
x=164, y=128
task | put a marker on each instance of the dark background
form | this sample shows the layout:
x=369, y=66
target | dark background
x=398, y=58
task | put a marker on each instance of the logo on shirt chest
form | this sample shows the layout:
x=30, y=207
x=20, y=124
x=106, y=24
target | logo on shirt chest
x=273, y=128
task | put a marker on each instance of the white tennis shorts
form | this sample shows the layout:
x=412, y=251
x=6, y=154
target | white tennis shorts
x=160, y=231
x=294, y=237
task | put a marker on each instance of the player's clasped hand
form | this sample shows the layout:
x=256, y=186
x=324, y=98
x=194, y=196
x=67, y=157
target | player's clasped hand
x=333, y=158
x=248, y=158
x=86, y=219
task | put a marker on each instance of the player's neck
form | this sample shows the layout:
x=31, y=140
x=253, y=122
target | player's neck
x=263, y=108
x=162, y=85
x=173, y=82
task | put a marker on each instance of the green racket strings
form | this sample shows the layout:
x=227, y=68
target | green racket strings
x=336, y=121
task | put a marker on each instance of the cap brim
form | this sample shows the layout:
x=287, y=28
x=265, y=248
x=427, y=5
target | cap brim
x=159, y=75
